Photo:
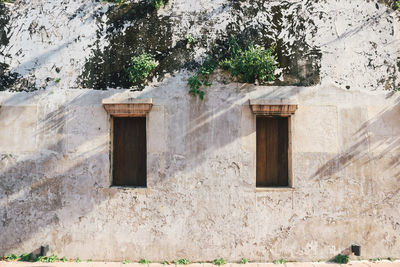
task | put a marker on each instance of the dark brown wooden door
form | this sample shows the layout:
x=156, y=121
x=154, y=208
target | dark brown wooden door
x=272, y=151
x=129, y=154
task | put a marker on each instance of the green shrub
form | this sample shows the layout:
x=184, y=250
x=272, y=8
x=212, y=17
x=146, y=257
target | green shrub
x=219, y=262
x=157, y=3
x=202, y=78
x=244, y=261
x=182, y=262
x=52, y=258
x=144, y=261
x=140, y=68
x=64, y=259
x=26, y=257
x=281, y=261
x=397, y=4
x=251, y=64
x=126, y=261
x=190, y=39
x=341, y=259
x=195, y=84
x=77, y=260
x=165, y=262
x=11, y=257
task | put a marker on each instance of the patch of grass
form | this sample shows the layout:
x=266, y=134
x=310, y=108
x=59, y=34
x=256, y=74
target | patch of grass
x=343, y=259
x=157, y=4
x=26, y=257
x=11, y=257
x=182, y=262
x=126, y=261
x=219, y=262
x=281, y=261
x=140, y=68
x=244, y=261
x=52, y=258
x=165, y=262
x=144, y=261
x=251, y=64
x=375, y=259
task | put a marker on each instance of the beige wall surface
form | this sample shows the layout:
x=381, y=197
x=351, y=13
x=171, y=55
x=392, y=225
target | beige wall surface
x=201, y=201
x=339, y=62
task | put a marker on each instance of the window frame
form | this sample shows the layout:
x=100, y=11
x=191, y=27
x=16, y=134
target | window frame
x=262, y=108
x=126, y=108
x=112, y=149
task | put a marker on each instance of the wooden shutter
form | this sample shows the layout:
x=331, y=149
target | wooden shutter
x=272, y=152
x=129, y=154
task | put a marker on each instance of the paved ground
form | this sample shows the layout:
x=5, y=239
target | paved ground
x=119, y=264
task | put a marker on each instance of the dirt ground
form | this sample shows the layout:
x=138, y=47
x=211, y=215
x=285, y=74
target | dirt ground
x=119, y=264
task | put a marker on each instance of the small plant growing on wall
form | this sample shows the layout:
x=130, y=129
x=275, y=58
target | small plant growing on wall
x=140, y=68
x=26, y=257
x=11, y=257
x=201, y=78
x=219, y=262
x=144, y=261
x=281, y=261
x=181, y=262
x=157, y=4
x=244, y=261
x=52, y=258
x=251, y=64
x=247, y=65
x=396, y=5
x=340, y=258
x=189, y=39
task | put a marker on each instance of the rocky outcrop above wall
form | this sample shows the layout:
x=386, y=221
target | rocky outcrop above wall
x=88, y=44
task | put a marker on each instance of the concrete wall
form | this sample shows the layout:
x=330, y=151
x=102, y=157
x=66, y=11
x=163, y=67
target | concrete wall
x=339, y=61
x=201, y=201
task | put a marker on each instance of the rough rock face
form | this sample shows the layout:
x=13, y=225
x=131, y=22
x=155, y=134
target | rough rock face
x=338, y=60
x=75, y=44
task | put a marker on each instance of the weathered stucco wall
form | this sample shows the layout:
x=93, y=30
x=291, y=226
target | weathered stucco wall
x=339, y=63
x=201, y=201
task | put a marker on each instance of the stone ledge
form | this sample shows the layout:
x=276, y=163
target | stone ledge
x=273, y=109
x=132, y=107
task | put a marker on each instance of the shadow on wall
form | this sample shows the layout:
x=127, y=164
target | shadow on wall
x=372, y=160
x=45, y=194
x=50, y=188
x=377, y=138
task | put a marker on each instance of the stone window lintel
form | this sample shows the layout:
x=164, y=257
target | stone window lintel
x=132, y=107
x=266, y=107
